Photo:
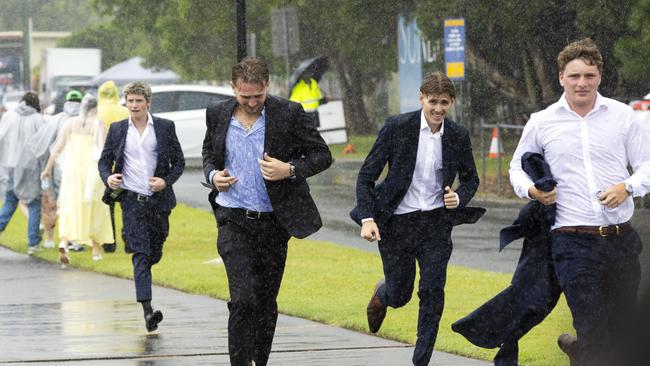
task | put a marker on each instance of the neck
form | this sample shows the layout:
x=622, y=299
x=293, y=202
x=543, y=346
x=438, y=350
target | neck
x=141, y=121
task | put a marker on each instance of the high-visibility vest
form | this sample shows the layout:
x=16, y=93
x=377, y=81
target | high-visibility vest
x=307, y=95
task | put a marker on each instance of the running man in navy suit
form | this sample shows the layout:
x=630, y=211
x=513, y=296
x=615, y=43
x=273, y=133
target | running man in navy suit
x=413, y=210
x=141, y=160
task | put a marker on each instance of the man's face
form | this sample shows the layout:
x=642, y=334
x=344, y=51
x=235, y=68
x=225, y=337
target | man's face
x=250, y=97
x=435, y=107
x=137, y=106
x=580, y=82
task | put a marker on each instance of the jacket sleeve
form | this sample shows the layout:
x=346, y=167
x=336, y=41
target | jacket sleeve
x=467, y=175
x=371, y=169
x=208, y=153
x=107, y=159
x=314, y=156
x=176, y=157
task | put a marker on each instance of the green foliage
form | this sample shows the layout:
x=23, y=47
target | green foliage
x=634, y=52
x=47, y=15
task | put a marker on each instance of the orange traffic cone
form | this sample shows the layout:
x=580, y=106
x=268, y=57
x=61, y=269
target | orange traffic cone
x=496, y=149
x=348, y=149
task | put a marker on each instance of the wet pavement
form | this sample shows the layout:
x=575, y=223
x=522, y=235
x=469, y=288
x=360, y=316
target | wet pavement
x=71, y=317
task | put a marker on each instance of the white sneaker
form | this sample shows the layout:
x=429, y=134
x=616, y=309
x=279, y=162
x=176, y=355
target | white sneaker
x=49, y=244
x=97, y=257
x=32, y=250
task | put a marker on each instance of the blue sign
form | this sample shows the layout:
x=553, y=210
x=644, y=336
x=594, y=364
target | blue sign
x=455, y=48
x=409, y=65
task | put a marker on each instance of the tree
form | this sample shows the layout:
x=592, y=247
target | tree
x=47, y=15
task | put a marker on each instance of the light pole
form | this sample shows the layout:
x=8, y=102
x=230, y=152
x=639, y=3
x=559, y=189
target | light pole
x=241, y=29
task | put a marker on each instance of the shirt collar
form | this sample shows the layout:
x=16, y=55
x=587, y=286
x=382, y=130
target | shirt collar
x=424, y=124
x=563, y=104
x=149, y=120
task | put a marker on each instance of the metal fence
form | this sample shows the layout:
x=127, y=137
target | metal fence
x=485, y=149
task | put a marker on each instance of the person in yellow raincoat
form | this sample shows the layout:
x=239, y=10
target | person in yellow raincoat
x=308, y=94
x=109, y=110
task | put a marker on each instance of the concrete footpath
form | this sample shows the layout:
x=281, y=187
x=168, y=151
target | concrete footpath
x=50, y=316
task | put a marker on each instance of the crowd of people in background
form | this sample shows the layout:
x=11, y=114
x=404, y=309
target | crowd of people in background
x=48, y=164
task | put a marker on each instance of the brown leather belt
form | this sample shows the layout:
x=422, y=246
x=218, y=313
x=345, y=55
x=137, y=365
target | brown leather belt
x=596, y=230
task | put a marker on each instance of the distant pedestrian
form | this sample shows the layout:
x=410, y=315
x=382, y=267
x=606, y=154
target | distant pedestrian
x=83, y=218
x=589, y=141
x=413, y=210
x=43, y=142
x=308, y=94
x=16, y=128
x=141, y=160
x=110, y=111
x=257, y=153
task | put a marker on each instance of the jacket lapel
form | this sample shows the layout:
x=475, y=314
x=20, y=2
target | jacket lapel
x=412, y=140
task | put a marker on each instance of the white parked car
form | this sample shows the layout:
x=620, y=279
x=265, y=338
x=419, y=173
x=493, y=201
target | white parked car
x=185, y=105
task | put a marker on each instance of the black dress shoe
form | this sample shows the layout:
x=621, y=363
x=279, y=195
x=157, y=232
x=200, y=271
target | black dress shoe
x=152, y=320
x=109, y=247
x=376, y=311
x=568, y=344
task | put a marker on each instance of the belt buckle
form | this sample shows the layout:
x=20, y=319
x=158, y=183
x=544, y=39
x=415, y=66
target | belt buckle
x=602, y=230
x=141, y=198
x=253, y=215
x=618, y=230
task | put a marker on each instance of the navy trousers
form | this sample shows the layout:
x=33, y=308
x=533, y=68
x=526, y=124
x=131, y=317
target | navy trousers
x=144, y=230
x=254, y=252
x=599, y=277
x=424, y=237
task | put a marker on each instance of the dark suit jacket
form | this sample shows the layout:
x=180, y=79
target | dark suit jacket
x=289, y=136
x=397, y=145
x=534, y=290
x=169, y=166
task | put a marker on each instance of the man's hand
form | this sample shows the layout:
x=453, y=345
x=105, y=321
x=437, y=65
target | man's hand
x=114, y=181
x=157, y=184
x=274, y=169
x=546, y=198
x=370, y=231
x=223, y=181
x=450, y=198
x=613, y=196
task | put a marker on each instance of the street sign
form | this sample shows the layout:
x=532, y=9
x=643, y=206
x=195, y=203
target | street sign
x=455, y=48
x=285, y=36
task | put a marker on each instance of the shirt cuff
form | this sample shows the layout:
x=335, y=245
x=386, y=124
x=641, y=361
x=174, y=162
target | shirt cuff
x=212, y=173
x=367, y=219
x=525, y=193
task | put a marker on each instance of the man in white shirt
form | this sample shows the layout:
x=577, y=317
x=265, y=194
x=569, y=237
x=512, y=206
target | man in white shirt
x=588, y=141
x=413, y=210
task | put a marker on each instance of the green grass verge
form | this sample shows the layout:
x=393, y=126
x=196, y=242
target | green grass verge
x=323, y=281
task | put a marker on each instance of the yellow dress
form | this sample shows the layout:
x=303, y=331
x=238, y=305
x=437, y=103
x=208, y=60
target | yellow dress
x=82, y=214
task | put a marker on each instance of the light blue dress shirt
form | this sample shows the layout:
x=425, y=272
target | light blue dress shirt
x=243, y=149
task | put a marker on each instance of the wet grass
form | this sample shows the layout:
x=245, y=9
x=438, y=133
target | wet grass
x=323, y=281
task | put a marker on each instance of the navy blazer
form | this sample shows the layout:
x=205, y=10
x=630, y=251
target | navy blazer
x=289, y=136
x=397, y=146
x=169, y=166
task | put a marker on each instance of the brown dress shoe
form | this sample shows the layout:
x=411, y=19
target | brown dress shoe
x=376, y=311
x=568, y=345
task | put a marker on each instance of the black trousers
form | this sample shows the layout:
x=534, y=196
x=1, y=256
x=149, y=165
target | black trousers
x=254, y=252
x=424, y=237
x=599, y=277
x=144, y=230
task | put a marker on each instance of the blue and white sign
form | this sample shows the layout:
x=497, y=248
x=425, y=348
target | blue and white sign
x=409, y=65
x=455, y=48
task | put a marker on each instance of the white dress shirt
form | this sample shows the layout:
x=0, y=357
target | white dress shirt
x=425, y=192
x=140, y=157
x=587, y=155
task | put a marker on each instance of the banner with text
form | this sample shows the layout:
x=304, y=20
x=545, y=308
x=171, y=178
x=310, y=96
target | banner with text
x=455, y=48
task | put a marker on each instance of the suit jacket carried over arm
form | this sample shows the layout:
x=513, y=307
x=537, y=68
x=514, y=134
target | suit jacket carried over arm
x=169, y=166
x=289, y=136
x=397, y=145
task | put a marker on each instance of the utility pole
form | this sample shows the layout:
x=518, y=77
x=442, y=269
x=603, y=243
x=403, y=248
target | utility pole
x=27, y=25
x=241, y=29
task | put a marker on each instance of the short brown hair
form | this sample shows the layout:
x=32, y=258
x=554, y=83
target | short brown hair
x=251, y=70
x=31, y=99
x=438, y=83
x=584, y=49
x=138, y=88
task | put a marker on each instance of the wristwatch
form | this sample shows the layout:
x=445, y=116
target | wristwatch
x=629, y=188
x=292, y=171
